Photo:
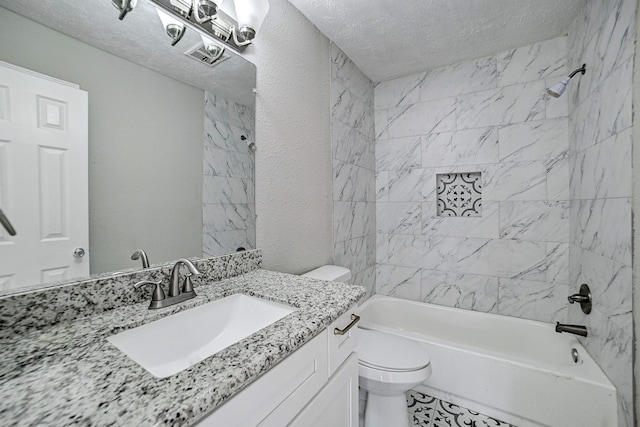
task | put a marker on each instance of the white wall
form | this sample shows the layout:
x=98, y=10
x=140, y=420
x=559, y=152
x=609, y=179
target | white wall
x=293, y=160
x=134, y=114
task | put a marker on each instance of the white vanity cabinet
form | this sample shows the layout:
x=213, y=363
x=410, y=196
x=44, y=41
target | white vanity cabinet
x=317, y=385
x=337, y=403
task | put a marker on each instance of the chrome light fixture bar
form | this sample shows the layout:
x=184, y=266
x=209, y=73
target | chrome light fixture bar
x=205, y=17
x=218, y=27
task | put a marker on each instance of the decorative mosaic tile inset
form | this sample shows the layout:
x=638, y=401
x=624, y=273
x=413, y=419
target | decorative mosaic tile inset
x=459, y=194
x=427, y=411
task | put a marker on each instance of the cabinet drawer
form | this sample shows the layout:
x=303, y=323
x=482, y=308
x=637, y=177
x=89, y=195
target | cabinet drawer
x=341, y=346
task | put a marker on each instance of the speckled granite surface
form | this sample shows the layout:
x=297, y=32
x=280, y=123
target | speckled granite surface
x=80, y=298
x=69, y=374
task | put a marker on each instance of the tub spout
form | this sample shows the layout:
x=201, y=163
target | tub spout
x=572, y=329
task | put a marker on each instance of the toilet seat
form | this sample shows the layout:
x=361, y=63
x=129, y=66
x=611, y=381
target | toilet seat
x=390, y=353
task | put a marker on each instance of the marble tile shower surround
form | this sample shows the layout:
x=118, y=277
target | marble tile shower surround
x=352, y=134
x=556, y=182
x=491, y=116
x=600, y=136
x=77, y=299
x=228, y=177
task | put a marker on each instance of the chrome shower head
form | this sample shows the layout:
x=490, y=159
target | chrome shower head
x=558, y=89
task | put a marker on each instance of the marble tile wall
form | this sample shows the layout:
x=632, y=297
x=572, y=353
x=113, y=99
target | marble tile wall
x=600, y=127
x=229, y=216
x=354, y=213
x=492, y=116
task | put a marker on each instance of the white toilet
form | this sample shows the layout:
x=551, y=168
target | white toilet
x=332, y=273
x=388, y=365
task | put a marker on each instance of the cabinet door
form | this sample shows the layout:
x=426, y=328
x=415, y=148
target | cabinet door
x=277, y=396
x=336, y=404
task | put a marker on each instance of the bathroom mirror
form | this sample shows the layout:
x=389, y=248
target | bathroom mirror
x=164, y=130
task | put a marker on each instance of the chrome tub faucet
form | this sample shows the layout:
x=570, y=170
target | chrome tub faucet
x=572, y=329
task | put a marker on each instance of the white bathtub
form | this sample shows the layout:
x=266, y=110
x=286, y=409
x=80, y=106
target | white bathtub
x=515, y=370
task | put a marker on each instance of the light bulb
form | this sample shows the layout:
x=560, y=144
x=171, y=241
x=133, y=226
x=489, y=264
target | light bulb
x=250, y=14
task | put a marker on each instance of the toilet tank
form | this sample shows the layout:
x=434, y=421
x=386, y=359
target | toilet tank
x=333, y=273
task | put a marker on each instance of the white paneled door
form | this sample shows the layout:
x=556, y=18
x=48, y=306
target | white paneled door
x=43, y=178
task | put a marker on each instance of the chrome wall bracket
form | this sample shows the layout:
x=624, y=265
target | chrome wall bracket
x=583, y=297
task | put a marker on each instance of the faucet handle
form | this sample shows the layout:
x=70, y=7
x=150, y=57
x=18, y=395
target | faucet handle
x=158, y=292
x=188, y=285
x=578, y=298
x=583, y=297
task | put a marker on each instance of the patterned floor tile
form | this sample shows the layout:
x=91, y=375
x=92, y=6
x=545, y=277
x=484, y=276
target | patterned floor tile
x=421, y=408
x=427, y=411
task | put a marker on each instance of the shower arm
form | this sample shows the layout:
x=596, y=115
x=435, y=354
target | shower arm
x=579, y=70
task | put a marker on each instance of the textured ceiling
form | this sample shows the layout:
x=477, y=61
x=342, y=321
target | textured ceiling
x=140, y=38
x=393, y=38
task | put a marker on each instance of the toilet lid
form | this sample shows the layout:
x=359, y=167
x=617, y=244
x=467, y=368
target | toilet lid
x=390, y=352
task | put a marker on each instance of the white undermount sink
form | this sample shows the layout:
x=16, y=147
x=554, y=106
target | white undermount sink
x=177, y=342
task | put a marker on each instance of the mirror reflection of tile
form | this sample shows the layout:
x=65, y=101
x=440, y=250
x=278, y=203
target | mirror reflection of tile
x=459, y=194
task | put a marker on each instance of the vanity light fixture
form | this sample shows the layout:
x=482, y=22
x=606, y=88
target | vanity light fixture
x=124, y=6
x=205, y=10
x=214, y=50
x=175, y=28
x=207, y=18
x=250, y=14
x=558, y=89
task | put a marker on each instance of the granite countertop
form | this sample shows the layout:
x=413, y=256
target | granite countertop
x=69, y=374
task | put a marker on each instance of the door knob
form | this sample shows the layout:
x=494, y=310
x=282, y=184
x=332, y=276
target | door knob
x=78, y=252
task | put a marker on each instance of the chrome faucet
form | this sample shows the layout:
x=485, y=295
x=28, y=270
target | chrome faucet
x=141, y=254
x=176, y=293
x=572, y=329
x=174, y=287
